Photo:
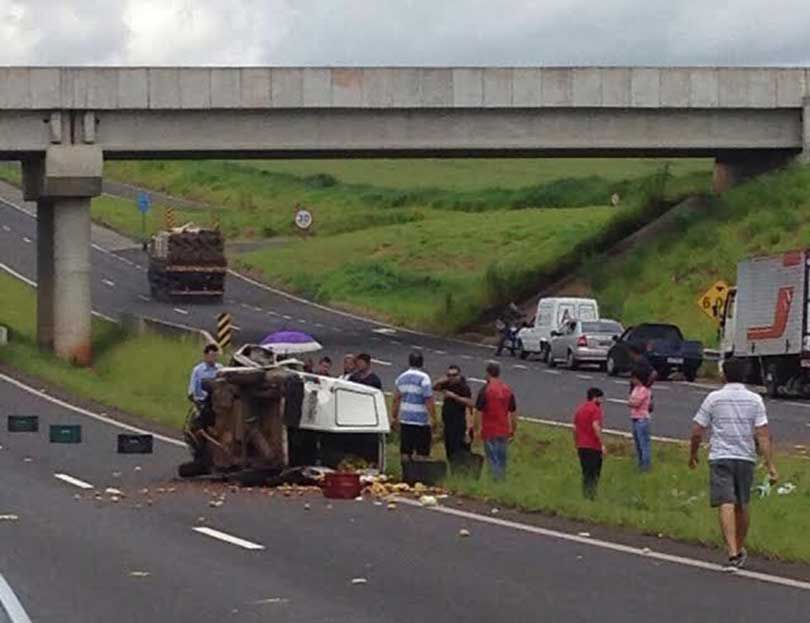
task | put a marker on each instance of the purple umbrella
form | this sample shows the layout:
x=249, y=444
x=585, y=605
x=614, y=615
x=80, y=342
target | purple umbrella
x=290, y=342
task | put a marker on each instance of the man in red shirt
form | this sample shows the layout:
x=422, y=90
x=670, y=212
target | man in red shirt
x=588, y=440
x=496, y=405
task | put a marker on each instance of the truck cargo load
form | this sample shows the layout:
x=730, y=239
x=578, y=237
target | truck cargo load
x=187, y=261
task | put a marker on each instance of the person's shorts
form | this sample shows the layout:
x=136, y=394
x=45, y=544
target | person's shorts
x=730, y=481
x=414, y=439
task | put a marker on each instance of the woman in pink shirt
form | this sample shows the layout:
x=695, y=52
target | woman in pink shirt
x=640, y=399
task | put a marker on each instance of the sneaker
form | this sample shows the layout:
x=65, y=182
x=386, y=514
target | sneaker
x=733, y=564
x=742, y=558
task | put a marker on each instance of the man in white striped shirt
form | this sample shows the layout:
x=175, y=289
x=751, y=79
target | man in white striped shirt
x=414, y=408
x=737, y=419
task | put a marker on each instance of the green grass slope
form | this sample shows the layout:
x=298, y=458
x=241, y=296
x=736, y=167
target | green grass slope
x=661, y=279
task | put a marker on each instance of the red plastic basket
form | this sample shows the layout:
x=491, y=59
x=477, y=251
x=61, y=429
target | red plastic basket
x=342, y=485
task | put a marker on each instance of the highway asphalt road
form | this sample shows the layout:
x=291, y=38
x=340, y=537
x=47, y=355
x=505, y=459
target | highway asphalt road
x=119, y=286
x=161, y=552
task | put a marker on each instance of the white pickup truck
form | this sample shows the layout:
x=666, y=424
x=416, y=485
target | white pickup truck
x=551, y=313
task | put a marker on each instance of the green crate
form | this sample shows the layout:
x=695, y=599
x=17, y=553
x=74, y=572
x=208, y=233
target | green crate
x=23, y=423
x=66, y=433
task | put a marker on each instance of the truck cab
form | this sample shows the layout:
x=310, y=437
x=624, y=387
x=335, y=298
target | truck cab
x=551, y=313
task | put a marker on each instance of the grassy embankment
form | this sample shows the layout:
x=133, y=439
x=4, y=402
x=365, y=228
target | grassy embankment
x=662, y=278
x=428, y=244
x=146, y=376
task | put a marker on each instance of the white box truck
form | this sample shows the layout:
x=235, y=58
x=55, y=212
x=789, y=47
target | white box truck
x=766, y=319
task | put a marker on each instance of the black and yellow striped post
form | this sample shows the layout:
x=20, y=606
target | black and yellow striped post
x=224, y=330
x=169, y=217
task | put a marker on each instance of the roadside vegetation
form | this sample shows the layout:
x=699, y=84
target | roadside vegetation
x=670, y=501
x=662, y=278
x=143, y=375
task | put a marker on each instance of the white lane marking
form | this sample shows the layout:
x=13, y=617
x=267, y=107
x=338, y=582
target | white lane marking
x=90, y=414
x=26, y=240
x=382, y=363
x=224, y=536
x=555, y=372
x=6, y=228
x=520, y=366
x=302, y=321
x=440, y=352
x=607, y=431
x=700, y=385
x=256, y=308
x=33, y=284
x=74, y=481
x=462, y=356
x=236, y=327
x=319, y=325
x=108, y=282
x=620, y=382
x=11, y=604
x=143, y=297
x=618, y=401
x=662, y=388
x=298, y=299
x=609, y=545
x=384, y=331
x=337, y=329
x=417, y=347
x=244, y=305
x=792, y=403
x=475, y=380
x=272, y=313
x=584, y=377
x=374, y=338
x=180, y=310
x=286, y=317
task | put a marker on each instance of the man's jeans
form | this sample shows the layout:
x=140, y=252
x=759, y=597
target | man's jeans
x=495, y=449
x=641, y=435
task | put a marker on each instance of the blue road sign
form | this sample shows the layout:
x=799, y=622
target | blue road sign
x=144, y=202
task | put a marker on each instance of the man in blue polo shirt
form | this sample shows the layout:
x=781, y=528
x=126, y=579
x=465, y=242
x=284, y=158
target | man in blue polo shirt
x=207, y=369
x=414, y=409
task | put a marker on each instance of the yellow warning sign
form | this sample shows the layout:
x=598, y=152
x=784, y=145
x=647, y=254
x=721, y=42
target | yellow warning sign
x=713, y=300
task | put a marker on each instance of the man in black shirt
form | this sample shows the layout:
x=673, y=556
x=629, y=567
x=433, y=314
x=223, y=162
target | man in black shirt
x=456, y=412
x=363, y=374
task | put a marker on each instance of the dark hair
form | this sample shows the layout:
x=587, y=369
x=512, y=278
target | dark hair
x=595, y=392
x=210, y=348
x=363, y=357
x=415, y=360
x=454, y=366
x=494, y=369
x=735, y=370
x=326, y=360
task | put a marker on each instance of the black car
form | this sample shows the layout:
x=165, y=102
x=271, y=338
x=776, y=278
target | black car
x=663, y=346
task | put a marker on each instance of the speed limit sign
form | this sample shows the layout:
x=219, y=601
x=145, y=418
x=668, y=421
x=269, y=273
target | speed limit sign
x=303, y=219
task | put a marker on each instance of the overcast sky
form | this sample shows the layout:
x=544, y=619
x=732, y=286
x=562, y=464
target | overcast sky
x=405, y=32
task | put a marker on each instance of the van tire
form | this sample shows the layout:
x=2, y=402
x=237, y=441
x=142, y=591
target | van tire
x=610, y=366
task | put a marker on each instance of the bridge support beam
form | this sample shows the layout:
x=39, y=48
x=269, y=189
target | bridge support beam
x=804, y=157
x=734, y=168
x=63, y=185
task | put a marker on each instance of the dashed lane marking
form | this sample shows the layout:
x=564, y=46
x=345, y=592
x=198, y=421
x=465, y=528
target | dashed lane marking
x=520, y=366
x=108, y=282
x=182, y=311
x=145, y=298
x=6, y=228
x=73, y=481
x=618, y=401
x=555, y=372
x=584, y=377
x=227, y=538
x=381, y=362
x=475, y=380
x=286, y=317
x=27, y=240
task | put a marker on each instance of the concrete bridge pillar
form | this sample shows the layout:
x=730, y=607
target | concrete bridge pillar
x=63, y=185
x=804, y=157
x=734, y=168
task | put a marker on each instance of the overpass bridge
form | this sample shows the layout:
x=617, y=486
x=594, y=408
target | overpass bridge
x=61, y=123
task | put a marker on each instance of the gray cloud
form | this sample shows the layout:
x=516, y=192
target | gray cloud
x=406, y=32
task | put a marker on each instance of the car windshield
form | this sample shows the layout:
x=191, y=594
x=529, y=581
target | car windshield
x=664, y=332
x=602, y=326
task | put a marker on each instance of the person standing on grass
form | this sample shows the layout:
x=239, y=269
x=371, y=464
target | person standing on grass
x=456, y=412
x=498, y=412
x=363, y=374
x=413, y=409
x=588, y=440
x=738, y=423
x=639, y=401
x=349, y=366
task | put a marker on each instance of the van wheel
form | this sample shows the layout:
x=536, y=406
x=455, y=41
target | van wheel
x=552, y=363
x=610, y=366
x=571, y=361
